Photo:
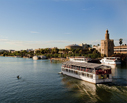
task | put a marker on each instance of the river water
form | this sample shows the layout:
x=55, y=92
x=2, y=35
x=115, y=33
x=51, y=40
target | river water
x=40, y=83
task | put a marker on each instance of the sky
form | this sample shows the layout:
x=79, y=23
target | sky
x=32, y=24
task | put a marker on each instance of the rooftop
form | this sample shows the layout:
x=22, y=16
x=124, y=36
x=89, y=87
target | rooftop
x=88, y=65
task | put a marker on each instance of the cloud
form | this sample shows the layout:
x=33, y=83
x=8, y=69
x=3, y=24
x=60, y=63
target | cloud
x=34, y=32
x=19, y=45
x=4, y=37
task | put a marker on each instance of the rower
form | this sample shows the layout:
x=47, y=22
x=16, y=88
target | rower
x=18, y=76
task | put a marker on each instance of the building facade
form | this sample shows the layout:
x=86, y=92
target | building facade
x=86, y=46
x=121, y=49
x=97, y=47
x=107, y=45
x=80, y=46
x=73, y=46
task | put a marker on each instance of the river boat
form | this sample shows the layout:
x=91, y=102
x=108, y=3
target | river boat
x=91, y=72
x=111, y=60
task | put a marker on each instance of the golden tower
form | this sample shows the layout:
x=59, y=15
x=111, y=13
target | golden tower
x=107, y=45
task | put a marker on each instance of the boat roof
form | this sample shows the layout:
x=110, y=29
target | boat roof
x=88, y=65
x=111, y=57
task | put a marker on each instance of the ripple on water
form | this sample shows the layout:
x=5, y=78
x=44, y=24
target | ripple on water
x=40, y=82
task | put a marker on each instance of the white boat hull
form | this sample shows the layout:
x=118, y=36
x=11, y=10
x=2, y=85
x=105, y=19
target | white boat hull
x=112, y=62
x=35, y=58
x=94, y=80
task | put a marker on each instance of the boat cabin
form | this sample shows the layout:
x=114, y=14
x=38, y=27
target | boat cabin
x=87, y=71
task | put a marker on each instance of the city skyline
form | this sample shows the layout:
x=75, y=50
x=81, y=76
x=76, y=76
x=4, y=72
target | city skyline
x=27, y=24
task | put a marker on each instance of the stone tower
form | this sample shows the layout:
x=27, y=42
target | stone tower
x=107, y=45
x=107, y=35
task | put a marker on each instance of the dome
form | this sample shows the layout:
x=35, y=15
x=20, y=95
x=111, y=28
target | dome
x=107, y=31
x=107, y=35
x=73, y=45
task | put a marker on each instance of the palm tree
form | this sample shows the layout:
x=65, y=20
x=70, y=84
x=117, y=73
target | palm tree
x=120, y=42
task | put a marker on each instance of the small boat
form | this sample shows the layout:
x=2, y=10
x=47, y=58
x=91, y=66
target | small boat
x=111, y=60
x=35, y=57
x=39, y=57
x=91, y=72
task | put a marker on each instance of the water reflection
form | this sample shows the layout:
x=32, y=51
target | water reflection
x=89, y=92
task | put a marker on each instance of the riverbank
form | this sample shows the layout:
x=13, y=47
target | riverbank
x=59, y=59
x=97, y=60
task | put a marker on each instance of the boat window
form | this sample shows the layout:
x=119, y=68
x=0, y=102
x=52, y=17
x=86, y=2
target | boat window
x=79, y=73
x=71, y=71
x=72, y=67
x=90, y=70
x=82, y=74
x=83, y=68
x=66, y=70
x=91, y=76
x=107, y=76
x=87, y=69
x=87, y=75
x=75, y=72
x=77, y=68
x=101, y=76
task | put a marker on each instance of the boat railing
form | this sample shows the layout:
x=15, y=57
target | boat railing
x=80, y=69
x=89, y=70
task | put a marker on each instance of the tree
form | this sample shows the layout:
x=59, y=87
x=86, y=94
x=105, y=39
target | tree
x=120, y=42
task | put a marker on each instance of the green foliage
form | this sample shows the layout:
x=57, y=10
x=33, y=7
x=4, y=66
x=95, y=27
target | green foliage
x=54, y=53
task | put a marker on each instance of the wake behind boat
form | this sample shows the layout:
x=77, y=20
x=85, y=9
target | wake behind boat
x=91, y=72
